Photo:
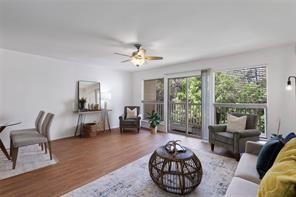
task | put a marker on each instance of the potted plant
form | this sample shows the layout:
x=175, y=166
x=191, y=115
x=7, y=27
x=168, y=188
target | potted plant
x=153, y=120
x=81, y=103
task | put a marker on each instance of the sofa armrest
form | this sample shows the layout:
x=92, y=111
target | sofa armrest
x=253, y=147
x=248, y=133
x=217, y=128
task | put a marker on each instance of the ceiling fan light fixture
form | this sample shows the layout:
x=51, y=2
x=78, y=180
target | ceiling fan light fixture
x=137, y=62
x=139, y=57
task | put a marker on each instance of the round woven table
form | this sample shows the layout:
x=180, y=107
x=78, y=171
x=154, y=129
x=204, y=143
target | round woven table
x=178, y=173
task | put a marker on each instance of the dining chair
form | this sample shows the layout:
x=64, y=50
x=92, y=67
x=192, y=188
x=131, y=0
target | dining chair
x=37, y=129
x=26, y=139
x=38, y=123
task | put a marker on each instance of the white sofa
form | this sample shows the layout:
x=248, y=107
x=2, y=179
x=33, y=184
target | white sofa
x=245, y=182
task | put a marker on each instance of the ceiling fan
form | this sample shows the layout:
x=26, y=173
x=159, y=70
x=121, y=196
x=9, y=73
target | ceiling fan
x=139, y=57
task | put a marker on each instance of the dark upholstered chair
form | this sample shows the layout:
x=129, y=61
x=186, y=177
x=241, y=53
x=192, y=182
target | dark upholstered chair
x=234, y=141
x=130, y=122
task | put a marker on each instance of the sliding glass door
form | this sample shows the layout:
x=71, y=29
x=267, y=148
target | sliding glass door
x=184, y=105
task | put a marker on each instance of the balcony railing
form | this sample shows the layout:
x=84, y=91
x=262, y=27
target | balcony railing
x=259, y=109
x=178, y=113
x=153, y=105
x=179, y=117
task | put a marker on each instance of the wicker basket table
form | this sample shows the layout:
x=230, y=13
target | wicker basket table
x=178, y=173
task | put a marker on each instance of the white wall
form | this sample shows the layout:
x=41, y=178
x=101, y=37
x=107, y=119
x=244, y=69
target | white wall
x=31, y=83
x=281, y=62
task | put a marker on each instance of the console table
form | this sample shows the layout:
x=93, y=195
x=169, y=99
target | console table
x=82, y=116
x=2, y=127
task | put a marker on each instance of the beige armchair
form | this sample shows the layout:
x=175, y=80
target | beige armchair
x=234, y=141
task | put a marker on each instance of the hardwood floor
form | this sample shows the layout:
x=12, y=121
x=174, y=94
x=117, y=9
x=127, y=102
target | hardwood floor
x=82, y=160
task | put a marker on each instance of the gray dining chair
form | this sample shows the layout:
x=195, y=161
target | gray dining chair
x=37, y=129
x=26, y=139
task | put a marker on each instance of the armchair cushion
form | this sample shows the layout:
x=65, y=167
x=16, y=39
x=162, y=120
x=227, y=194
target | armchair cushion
x=131, y=113
x=235, y=123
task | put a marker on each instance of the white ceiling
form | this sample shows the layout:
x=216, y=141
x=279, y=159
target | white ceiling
x=90, y=32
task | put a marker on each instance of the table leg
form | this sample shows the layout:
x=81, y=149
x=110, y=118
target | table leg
x=4, y=150
x=104, y=120
x=77, y=125
x=83, y=116
x=108, y=121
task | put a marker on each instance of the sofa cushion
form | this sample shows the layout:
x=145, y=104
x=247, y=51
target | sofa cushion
x=246, y=168
x=280, y=180
x=225, y=137
x=287, y=152
x=240, y=187
x=267, y=155
x=289, y=137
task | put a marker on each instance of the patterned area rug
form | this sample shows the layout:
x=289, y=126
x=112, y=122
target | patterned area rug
x=29, y=158
x=134, y=179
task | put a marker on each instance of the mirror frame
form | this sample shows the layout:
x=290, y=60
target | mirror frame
x=78, y=88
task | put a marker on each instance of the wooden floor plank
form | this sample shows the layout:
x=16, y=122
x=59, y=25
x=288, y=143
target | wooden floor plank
x=81, y=160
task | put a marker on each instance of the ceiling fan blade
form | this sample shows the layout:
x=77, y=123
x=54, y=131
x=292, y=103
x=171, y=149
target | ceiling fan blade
x=153, y=58
x=122, y=54
x=125, y=61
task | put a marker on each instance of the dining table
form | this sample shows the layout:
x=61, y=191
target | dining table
x=3, y=126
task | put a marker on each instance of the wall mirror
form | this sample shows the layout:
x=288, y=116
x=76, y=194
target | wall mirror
x=89, y=96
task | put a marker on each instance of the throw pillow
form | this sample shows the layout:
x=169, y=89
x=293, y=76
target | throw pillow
x=267, y=155
x=289, y=137
x=287, y=152
x=131, y=113
x=280, y=179
x=236, y=123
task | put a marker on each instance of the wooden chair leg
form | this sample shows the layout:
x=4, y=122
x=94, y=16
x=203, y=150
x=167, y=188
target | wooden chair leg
x=41, y=146
x=237, y=156
x=49, y=148
x=212, y=147
x=45, y=147
x=10, y=149
x=14, y=156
